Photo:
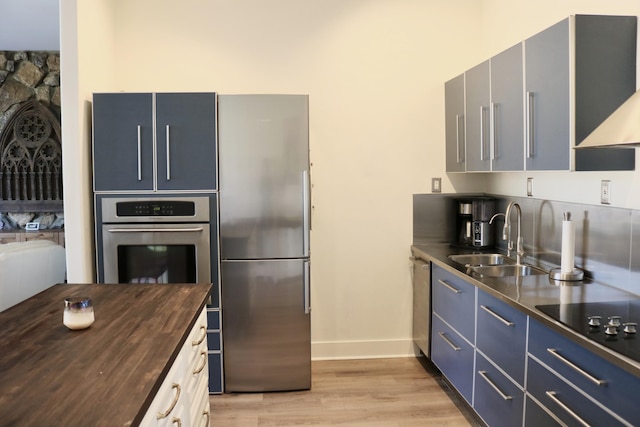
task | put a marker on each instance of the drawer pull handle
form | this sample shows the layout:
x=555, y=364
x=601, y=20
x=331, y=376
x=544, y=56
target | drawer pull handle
x=581, y=371
x=497, y=316
x=448, y=286
x=448, y=341
x=199, y=340
x=204, y=363
x=166, y=413
x=176, y=421
x=552, y=396
x=483, y=374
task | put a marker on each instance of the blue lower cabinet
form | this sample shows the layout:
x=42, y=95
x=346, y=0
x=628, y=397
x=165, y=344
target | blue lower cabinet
x=453, y=355
x=502, y=335
x=535, y=416
x=597, y=377
x=214, y=343
x=215, y=373
x=564, y=401
x=497, y=399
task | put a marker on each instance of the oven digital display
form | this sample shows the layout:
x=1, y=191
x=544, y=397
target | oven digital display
x=155, y=208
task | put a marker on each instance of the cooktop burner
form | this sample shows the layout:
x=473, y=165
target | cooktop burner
x=612, y=324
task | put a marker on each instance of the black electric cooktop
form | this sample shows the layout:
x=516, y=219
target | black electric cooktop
x=621, y=339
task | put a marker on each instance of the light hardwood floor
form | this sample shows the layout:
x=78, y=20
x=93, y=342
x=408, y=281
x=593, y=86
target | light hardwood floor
x=374, y=393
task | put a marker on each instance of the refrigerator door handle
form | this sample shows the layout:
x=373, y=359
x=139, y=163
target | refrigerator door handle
x=307, y=287
x=306, y=211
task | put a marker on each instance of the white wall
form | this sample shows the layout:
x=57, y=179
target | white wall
x=87, y=64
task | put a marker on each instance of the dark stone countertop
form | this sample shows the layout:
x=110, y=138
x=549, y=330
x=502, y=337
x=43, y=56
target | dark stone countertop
x=526, y=292
x=106, y=375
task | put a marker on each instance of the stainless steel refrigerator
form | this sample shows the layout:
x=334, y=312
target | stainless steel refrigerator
x=264, y=241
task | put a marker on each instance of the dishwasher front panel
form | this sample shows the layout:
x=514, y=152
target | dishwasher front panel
x=422, y=305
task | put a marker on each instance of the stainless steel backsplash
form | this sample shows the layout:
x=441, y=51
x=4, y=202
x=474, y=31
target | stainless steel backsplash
x=607, y=238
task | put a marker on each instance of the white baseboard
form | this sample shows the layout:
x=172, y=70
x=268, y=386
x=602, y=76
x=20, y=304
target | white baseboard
x=335, y=350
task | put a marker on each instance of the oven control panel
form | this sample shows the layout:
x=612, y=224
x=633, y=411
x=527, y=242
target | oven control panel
x=155, y=208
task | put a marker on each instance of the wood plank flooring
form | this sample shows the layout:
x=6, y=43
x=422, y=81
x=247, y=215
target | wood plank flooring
x=400, y=392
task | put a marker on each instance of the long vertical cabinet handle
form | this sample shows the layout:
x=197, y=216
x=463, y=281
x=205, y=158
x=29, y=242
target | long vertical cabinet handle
x=459, y=136
x=168, y=154
x=493, y=130
x=483, y=139
x=306, y=212
x=552, y=396
x=139, y=153
x=530, y=126
x=307, y=287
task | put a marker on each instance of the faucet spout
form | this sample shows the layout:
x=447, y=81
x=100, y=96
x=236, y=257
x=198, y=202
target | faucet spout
x=507, y=230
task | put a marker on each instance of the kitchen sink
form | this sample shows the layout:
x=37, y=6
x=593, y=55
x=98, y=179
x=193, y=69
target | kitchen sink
x=469, y=260
x=505, y=270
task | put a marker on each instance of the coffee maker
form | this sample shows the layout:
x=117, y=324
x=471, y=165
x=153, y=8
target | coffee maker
x=472, y=225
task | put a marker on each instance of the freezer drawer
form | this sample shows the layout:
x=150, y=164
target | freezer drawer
x=267, y=327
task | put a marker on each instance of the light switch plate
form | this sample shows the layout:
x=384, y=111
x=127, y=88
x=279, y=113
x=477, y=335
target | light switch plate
x=436, y=185
x=529, y=186
x=605, y=192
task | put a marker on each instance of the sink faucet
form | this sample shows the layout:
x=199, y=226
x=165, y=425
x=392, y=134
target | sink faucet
x=506, y=231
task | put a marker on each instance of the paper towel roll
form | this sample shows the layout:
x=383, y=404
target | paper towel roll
x=568, y=246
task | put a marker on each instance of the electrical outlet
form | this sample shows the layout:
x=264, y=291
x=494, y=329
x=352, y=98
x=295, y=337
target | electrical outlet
x=529, y=186
x=436, y=185
x=605, y=192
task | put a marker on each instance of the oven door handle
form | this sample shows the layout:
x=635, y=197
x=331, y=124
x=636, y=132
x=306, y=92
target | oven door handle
x=153, y=230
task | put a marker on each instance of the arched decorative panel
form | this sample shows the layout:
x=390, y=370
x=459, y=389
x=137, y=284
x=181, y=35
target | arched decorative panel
x=31, y=160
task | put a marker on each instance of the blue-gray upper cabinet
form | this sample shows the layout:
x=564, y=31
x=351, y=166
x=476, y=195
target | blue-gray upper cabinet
x=477, y=120
x=154, y=142
x=494, y=113
x=507, y=110
x=547, y=84
x=600, y=79
x=454, y=124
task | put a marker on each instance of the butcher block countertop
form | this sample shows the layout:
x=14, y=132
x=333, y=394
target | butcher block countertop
x=106, y=375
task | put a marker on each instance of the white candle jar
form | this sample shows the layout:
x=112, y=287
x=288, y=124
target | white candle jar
x=78, y=313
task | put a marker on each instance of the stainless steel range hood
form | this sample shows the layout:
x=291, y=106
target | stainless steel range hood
x=620, y=130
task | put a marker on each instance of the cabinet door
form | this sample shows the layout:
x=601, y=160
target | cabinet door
x=454, y=124
x=547, y=99
x=477, y=118
x=497, y=400
x=502, y=335
x=535, y=416
x=565, y=402
x=600, y=379
x=186, y=141
x=454, y=299
x=123, y=141
x=507, y=116
x=453, y=356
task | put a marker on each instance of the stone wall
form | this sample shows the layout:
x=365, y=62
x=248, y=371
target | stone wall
x=24, y=76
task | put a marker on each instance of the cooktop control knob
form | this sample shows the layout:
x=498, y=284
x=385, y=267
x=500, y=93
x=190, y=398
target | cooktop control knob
x=611, y=329
x=630, y=328
x=594, y=321
x=615, y=320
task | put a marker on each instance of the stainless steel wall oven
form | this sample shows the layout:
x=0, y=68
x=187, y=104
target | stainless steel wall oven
x=156, y=239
